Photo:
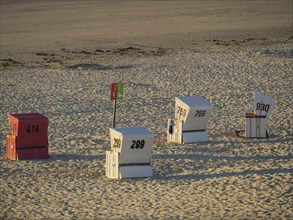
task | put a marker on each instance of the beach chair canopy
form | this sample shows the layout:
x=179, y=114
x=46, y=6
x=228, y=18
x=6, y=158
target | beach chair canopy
x=263, y=105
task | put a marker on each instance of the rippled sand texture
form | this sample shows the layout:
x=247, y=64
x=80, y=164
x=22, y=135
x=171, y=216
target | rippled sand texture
x=227, y=177
x=61, y=32
x=59, y=58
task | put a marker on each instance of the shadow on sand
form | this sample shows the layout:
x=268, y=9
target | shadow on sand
x=228, y=174
x=67, y=157
x=98, y=67
x=209, y=157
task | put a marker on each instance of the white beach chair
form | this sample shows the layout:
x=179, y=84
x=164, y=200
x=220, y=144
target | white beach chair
x=190, y=123
x=131, y=153
x=256, y=124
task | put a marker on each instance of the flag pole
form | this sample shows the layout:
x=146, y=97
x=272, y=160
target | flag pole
x=114, y=113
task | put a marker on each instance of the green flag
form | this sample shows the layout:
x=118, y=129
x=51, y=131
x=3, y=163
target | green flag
x=120, y=91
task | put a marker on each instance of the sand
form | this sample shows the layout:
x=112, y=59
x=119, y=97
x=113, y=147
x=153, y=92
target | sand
x=224, y=178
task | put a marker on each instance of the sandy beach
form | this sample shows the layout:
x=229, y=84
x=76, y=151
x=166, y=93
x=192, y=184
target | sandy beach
x=59, y=58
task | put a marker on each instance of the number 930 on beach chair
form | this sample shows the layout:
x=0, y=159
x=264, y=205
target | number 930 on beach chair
x=191, y=118
x=256, y=123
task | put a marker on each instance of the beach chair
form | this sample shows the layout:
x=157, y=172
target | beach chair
x=191, y=118
x=28, y=138
x=256, y=123
x=131, y=153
